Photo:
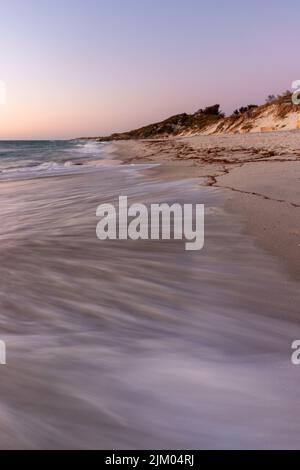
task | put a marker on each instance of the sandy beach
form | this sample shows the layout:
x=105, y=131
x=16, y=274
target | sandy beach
x=261, y=172
x=141, y=344
x=150, y=228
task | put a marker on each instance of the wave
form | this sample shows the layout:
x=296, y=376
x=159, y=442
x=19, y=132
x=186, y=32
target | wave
x=33, y=159
x=122, y=344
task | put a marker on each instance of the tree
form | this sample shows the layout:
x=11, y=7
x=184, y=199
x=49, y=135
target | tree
x=271, y=98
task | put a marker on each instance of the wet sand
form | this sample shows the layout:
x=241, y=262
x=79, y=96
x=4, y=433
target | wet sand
x=141, y=344
x=260, y=171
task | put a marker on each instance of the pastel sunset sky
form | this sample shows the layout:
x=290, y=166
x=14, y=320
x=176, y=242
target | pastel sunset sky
x=92, y=67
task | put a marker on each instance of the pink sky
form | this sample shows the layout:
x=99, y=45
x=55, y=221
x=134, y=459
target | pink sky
x=75, y=67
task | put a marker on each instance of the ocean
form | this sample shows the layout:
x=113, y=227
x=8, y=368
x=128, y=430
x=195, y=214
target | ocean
x=135, y=344
x=19, y=159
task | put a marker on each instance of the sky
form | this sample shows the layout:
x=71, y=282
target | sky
x=91, y=67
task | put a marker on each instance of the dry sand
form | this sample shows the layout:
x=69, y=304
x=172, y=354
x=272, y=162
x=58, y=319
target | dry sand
x=262, y=171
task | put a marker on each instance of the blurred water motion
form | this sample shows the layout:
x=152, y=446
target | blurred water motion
x=138, y=344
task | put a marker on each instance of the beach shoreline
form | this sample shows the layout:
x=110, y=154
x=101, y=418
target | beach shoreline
x=261, y=172
x=118, y=341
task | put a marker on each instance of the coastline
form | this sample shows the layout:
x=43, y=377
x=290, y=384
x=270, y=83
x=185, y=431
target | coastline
x=150, y=235
x=260, y=171
x=139, y=335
